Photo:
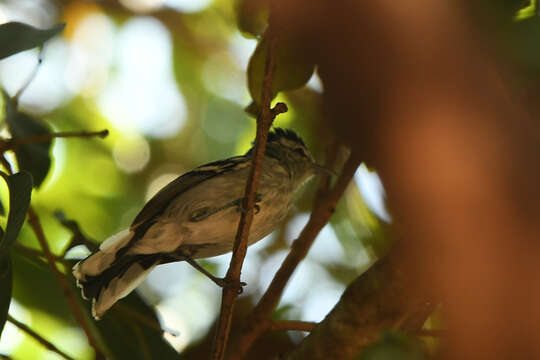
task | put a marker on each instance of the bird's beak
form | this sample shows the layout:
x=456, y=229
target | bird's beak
x=323, y=170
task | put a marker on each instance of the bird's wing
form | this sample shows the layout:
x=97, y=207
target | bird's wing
x=155, y=206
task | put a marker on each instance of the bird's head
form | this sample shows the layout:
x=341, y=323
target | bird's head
x=287, y=147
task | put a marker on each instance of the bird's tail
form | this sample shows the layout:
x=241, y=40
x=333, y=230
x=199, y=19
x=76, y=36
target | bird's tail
x=105, y=277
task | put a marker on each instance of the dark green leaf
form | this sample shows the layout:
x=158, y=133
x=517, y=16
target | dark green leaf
x=34, y=158
x=293, y=68
x=6, y=286
x=35, y=287
x=131, y=330
x=252, y=16
x=20, y=191
x=16, y=37
x=2, y=211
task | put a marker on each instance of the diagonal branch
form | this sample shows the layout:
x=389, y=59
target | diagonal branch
x=47, y=344
x=258, y=321
x=387, y=296
x=264, y=121
x=34, y=222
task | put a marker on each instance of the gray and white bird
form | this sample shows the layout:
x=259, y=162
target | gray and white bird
x=196, y=216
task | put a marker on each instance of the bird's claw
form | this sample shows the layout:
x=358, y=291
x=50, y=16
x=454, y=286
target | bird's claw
x=235, y=284
x=256, y=208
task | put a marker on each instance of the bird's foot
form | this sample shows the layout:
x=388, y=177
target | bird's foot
x=229, y=283
x=256, y=208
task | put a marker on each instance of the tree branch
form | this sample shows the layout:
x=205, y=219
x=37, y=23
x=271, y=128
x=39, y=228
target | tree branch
x=384, y=297
x=13, y=144
x=47, y=344
x=292, y=325
x=34, y=222
x=264, y=121
x=257, y=321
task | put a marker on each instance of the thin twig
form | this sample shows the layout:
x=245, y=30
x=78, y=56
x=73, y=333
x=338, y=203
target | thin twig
x=77, y=238
x=13, y=144
x=257, y=321
x=34, y=222
x=264, y=121
x=293, y=325
x=47, y=344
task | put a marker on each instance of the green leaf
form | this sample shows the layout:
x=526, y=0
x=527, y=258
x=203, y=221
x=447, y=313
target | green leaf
x=34, y=158
x=6, y=286
x=252, y=16
x=16, y=37
x=293, y=68
x=36, y=287
x=20, y=191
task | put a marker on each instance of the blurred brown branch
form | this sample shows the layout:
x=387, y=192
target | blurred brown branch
x=258, y=321
x=292, y=325
x=264, y=121
x=47, y=344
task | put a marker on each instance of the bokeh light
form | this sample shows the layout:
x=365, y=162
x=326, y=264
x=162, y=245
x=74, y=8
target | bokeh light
x=142, y=95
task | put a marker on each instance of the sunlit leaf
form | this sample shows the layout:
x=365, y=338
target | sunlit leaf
x=16, y=37
x=6, y=285
x=527, y=11
x=20, y=191
x=32, y=157
x=293, y=68
x=252, y=16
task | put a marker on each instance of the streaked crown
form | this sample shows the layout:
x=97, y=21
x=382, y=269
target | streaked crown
x=289, y=141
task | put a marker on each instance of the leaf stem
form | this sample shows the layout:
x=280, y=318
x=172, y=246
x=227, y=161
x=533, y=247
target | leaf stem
x=31, y=78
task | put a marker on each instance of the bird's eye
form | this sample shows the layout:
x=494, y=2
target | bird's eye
x=300, y=152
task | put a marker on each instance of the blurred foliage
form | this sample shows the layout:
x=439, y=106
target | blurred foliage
x=218, y=56
x=252, y=16
x=293, y=68
x=394, y=346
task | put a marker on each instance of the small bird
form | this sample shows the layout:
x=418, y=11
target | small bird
x=196, y=216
